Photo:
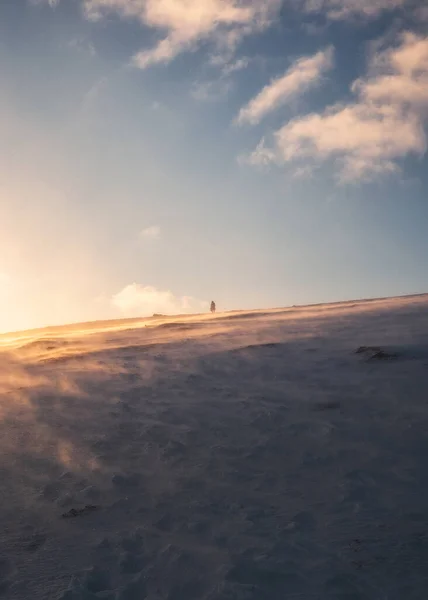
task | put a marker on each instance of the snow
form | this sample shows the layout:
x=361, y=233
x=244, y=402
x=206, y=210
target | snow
x=233, y=456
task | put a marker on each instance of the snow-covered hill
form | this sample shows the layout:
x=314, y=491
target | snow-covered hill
x=230, y=457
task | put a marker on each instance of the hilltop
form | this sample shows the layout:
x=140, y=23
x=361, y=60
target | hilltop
x=253, y=455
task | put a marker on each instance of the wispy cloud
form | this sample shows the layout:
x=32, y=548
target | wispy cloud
x=81, y=45
x=305, y=73
x=151, y=233
x=262, y=155
x=345, y=9
x=368, y=136
x=139, y=300
x=211, y=91
x=218, y=88
x=227, y=21
x=51, y=3
x=303, y=172
x=187, y=22
x=237, y=65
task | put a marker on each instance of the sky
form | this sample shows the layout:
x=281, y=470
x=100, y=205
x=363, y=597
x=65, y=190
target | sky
x=158, y=154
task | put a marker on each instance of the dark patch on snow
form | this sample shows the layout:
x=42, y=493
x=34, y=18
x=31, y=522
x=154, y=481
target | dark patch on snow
x=375, y=353
x=78, y=512
x=329, y=405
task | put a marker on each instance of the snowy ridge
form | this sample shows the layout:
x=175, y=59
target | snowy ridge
x=247, y=455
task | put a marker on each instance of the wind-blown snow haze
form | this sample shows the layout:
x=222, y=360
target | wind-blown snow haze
x=241, y=455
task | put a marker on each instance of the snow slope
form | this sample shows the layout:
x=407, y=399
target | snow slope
x=230, y=457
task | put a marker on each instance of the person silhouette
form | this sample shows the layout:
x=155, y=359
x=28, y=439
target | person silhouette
x=213, y=307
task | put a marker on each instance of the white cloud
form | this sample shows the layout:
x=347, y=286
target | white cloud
x=187, y=22
x=345, y=9
x=151, y=233
x=138, y=300
x=368, y=136
x=305, y=73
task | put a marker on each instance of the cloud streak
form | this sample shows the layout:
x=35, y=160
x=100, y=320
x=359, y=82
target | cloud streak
x=368, y=136
x=303, y=75
x=337, y=10
x=188, y=22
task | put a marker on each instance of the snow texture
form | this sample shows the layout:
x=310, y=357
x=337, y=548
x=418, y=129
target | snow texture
x=242, y=456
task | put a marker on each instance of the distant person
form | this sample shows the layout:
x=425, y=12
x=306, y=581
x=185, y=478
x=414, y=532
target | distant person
x=213, y=307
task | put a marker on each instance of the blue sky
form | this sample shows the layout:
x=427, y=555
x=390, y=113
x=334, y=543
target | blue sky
x=157, y=154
